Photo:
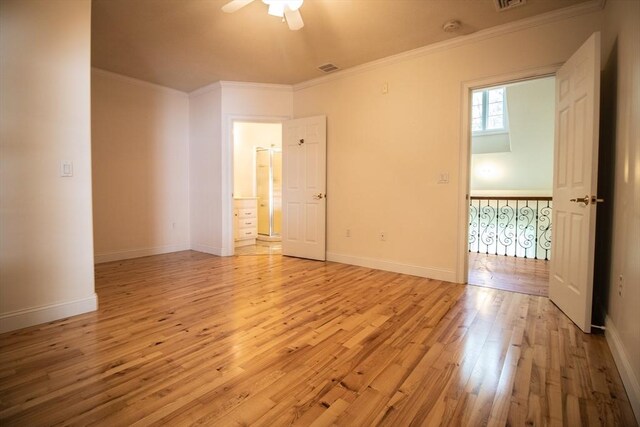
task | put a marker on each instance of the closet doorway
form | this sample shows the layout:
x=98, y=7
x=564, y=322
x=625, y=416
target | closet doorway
x=257, y=188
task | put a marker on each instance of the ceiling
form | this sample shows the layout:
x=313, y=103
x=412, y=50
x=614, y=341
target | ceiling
x=187, y=44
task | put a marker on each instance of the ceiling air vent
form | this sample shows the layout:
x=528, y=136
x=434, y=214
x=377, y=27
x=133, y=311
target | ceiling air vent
x=327, y=68
x=503, y=5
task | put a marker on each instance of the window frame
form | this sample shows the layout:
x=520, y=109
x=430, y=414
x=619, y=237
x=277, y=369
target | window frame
x=485, y=112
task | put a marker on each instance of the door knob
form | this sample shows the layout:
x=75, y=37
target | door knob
x=586, y=199
x=319, y=196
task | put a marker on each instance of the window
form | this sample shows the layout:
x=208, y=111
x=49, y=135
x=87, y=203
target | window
x=488, y=111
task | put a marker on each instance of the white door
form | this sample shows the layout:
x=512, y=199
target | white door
x=304, y=173
x=575, y=183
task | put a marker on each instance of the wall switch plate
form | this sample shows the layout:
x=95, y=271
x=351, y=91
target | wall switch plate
x=66, y=168
x=383, y=236
x=385, y=88
x=443, y=178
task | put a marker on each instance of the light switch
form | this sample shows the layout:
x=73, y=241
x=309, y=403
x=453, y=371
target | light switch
x=66, y=168
x=443, y=178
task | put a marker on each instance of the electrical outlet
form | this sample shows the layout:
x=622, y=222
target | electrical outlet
x=347, y=233
x=620, y=284
x=383, y=236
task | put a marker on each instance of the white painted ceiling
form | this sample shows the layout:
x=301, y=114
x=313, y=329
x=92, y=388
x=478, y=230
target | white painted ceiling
x=187, y=44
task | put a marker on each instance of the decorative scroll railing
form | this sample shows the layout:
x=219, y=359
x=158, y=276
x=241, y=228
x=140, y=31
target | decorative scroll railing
x=513, y=226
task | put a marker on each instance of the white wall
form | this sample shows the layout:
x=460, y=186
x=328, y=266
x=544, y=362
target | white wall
x=621, y=54
x=527, y=169
x=46, y=248
x=267, y=102
x=246, y=138
x=205, y=170
x=140, y=143
x=213, y=110
x=385, y=151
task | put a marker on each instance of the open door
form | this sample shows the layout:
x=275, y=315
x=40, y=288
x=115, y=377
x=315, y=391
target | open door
x=575, y=183
x=304, y=172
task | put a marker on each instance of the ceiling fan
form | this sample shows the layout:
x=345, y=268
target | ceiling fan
x=286, y=9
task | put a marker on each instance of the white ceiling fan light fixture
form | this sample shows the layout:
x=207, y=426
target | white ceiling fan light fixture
x=278, y=7
x=294, y=19
x=286, y=9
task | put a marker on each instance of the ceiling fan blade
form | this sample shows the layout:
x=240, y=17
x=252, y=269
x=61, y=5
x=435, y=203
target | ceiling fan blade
x=294, y=19
x=234, y=5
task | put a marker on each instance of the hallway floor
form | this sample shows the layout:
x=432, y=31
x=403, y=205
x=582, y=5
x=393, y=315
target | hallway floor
x=260, y=248
x=524, y=275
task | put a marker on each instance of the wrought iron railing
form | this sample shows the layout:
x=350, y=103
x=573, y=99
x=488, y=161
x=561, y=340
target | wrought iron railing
x=513, y=226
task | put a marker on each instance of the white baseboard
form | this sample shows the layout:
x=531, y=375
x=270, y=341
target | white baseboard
x=210, y=250
x=629, y=378
x=414, y=270
x=46, y=313
x=137, y=253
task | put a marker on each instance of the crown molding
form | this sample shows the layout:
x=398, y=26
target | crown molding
x=227, y=84
x=488, y=33
x=136, y=82
x=205, y=89
x=252, y=85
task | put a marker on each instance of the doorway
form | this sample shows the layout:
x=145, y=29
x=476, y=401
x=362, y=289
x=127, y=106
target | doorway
x=510, y=206
x=257, y=188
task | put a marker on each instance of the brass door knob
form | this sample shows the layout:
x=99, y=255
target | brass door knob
x=586, y=199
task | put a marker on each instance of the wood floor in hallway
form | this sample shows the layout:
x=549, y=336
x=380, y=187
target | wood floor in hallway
x=525, y=275
x=188, y=338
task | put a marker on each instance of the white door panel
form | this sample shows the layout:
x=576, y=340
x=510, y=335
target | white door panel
x=575, y=178
x=304, y=151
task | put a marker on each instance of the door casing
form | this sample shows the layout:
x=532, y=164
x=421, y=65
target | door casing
x=227, y=175
x=464, y=176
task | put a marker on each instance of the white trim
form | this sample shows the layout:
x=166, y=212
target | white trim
x=205, y=89
x=138, y=82
x=480, y=133
x=252, y=85
x=137, y=253
x=227, y=171
x=396, y=267
x=541, y=192
x=46, y=313
x=465, y=152
x=242, y=85
x=623, y=363
x=497, y=31
x=210, y=250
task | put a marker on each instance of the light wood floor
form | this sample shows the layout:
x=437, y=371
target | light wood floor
x=189, y=338
x=260, y=248
x=526, y=275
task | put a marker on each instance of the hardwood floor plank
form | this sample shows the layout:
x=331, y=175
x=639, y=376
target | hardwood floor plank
x=508, y=273
x=193, y=339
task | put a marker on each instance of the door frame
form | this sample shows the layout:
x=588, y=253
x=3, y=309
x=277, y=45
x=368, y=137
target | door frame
x=227, y=173
x=464, y=175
